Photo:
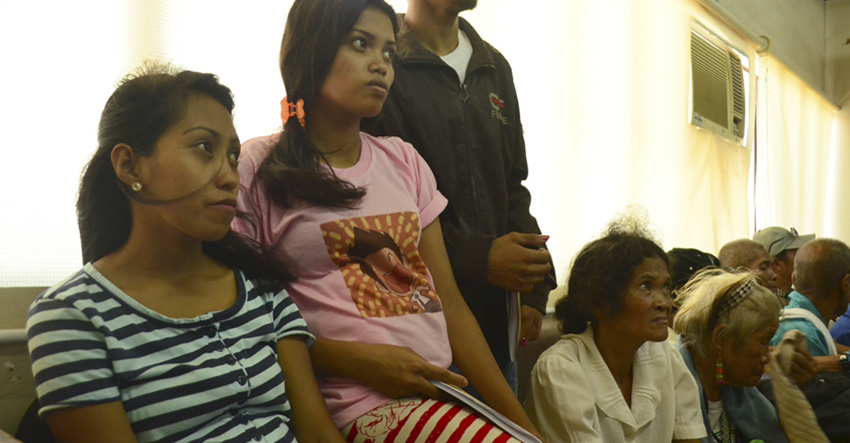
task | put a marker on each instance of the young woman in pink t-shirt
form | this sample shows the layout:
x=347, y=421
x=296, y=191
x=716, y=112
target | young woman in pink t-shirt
x=356, y=217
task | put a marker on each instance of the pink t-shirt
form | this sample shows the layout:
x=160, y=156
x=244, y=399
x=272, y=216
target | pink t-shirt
x=360, y=276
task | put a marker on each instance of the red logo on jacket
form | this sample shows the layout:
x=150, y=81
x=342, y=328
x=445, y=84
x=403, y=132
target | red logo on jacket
x=498, y=105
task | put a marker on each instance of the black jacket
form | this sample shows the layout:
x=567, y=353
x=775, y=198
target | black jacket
x=471, y=136
x=829, y=395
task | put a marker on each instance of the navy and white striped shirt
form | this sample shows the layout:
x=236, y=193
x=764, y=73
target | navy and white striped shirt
x=214, y=377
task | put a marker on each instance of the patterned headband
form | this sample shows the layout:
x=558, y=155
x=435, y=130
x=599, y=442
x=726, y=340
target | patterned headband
x=739, y=295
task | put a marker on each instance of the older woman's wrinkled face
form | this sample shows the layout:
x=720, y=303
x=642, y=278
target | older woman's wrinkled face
x=744, y=366
x=644, y=315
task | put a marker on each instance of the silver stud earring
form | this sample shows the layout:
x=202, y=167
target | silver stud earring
x=136, y=186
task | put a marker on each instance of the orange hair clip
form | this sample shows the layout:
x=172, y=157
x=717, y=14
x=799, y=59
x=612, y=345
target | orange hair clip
x=293, y=110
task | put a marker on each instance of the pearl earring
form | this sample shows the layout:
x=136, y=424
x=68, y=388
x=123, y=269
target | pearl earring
x=136, y=186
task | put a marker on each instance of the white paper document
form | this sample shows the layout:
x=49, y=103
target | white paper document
x=498, y=420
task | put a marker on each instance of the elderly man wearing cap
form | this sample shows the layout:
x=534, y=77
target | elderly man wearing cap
x=782, y=245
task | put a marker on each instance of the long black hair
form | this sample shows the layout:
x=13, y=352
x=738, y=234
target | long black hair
x=315, y=29
x=601, y=272
x=142, y=108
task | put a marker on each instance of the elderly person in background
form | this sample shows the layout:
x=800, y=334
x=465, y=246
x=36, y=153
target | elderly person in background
x=782, y=245
x=751, y=255
x=612, y=377
x=685, y=262
x=822, y=282
x=726, y=320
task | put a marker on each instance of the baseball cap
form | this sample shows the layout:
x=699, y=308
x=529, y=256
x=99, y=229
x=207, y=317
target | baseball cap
x=776, y=239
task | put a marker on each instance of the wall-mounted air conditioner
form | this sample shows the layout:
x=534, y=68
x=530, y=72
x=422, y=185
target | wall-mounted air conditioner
x=718, y=103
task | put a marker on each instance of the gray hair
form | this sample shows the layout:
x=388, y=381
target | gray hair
x=723, y=297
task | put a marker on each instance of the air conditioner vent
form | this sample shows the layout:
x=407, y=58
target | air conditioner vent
x=736, y=72
x=709, y=79
x=737, y=85
x=717, y=86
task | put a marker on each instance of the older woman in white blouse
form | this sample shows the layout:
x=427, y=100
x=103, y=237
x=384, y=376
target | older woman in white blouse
x=612, y=377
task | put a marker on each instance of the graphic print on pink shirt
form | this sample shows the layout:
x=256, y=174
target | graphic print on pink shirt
x=380, y=263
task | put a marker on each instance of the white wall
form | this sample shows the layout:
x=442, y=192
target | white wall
x=837, y=49
x=62, y=64
x=62, y=61
x=812, y=38
x=837, y=43
x=59, y=82
x=795, y=28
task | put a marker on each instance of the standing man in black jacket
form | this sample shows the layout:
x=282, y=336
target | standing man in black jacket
x=454, y=100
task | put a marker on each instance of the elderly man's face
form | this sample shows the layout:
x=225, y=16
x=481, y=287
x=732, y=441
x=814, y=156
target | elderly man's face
x=783, y=269
x=762, y=268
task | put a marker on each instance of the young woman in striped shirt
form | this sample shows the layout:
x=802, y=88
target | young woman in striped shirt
x=174, y=330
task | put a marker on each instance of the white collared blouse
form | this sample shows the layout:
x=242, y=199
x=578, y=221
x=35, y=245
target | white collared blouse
x=574, y=397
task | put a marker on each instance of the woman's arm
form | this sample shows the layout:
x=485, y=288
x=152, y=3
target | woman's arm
x=82, y=403
x=310, y=418
x=104, y=422
x=827, y=363
x=469, y=348
x=394, y=371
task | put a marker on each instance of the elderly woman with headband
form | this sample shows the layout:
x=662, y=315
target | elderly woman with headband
x=726, y=320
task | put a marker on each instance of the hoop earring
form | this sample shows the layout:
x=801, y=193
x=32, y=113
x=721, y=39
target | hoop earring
x=136, y=186
x=719, y=369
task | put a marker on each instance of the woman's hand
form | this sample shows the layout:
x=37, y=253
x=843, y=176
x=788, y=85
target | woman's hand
x=469, y=347
x=399, y=372
x=517, y=262
x=531, y=322
x=394, y=371
x=804, y=367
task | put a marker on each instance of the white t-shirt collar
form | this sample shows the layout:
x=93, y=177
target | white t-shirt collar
x=459, y=58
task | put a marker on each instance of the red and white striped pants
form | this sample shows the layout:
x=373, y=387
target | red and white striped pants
x=410, y=420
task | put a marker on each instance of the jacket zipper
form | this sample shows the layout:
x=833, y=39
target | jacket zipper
x=464, y=95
